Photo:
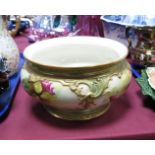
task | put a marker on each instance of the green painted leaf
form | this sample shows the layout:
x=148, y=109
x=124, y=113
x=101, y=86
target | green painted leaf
x=37, y=87
x=47, y=96
x=26, y=84
x=144, y=84
x=97, y=87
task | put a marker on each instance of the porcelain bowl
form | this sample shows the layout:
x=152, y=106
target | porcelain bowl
x=136, y=32
x=75, y=77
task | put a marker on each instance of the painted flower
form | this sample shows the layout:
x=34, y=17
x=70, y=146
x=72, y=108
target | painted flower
x=48, y=87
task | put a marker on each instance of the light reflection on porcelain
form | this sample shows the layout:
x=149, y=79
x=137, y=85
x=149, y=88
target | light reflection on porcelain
x=79, y=91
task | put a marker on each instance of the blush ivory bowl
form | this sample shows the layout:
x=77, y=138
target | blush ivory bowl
x=75, y=77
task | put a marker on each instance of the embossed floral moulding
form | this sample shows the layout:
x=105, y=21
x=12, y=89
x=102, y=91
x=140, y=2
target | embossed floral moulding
x=75, y=77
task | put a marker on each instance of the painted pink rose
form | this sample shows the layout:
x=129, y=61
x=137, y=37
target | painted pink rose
x=48, y=87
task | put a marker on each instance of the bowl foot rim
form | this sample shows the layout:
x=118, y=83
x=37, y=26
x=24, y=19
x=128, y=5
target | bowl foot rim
x=74, y=115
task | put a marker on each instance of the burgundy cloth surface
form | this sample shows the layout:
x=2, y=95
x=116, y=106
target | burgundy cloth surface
x=132, y=116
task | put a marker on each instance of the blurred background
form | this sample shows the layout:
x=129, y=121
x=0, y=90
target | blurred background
x=42, y=27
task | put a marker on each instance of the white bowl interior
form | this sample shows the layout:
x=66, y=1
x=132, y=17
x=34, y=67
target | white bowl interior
x=76, y=51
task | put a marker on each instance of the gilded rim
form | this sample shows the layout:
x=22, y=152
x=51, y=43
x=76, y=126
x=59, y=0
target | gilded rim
x=83, y=68
x=74, y=73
